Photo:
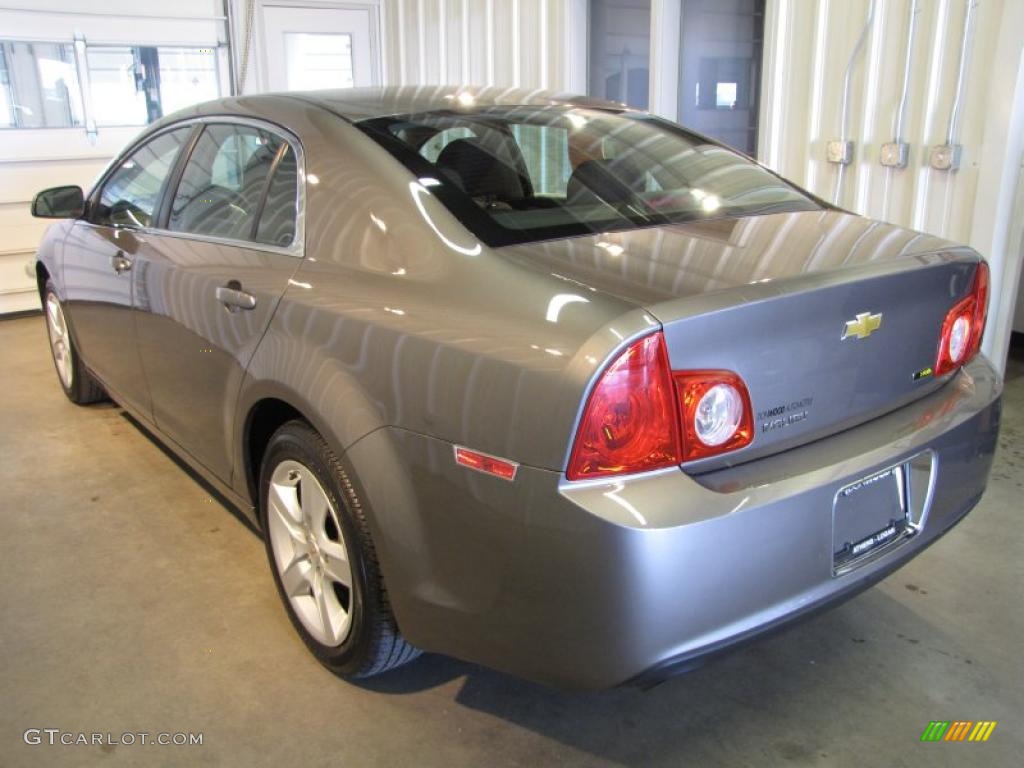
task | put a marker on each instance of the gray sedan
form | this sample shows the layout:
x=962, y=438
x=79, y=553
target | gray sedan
x=532, y=380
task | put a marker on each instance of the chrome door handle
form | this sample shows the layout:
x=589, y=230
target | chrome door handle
x=120, y=263
x=234, y=298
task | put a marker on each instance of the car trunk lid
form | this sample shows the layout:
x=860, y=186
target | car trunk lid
x=820, y=354
x=831, y=319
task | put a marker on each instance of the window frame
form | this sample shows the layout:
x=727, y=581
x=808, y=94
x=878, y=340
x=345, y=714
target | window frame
x=170, y=185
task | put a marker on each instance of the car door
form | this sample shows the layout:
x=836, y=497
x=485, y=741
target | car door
x=99, y=256
x=206, y=290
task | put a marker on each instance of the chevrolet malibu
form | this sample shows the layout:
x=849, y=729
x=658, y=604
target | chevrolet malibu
x=535, y=381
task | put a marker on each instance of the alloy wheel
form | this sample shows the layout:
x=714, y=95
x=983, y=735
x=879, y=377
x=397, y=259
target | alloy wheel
x=309, y=552
x=60, y=341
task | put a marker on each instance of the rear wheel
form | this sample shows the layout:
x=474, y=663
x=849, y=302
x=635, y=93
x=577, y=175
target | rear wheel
x=323, y=559
x=77, y=383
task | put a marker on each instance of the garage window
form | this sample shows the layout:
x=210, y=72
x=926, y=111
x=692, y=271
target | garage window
x=135, y=85
x=39, y=86
x=224, y=186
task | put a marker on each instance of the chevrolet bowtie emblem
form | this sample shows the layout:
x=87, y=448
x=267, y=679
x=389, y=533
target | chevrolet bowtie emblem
x=863, y=325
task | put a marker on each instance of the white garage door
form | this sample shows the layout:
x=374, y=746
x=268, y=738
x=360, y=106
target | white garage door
x=77, y=82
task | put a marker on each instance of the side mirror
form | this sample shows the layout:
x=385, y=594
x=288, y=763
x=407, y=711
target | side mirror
x=59, y=203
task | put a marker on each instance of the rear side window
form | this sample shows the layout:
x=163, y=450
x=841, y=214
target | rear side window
x=130, y=195
x=277, y=221
x=224, y=184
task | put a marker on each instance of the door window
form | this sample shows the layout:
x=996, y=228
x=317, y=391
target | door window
x=223, y=185
x=720, y=69
x=620, y=50
x=130, y=196
x=316, y=61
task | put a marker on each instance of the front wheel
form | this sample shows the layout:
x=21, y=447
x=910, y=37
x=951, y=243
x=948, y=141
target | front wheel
x=323, y=559
x=77, y=383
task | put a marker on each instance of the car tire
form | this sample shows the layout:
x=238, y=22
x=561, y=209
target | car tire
x=76, y=381
x=348, y=627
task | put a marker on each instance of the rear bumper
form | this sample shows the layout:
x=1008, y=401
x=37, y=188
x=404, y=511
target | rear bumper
x=852, y=586
x=599, y=583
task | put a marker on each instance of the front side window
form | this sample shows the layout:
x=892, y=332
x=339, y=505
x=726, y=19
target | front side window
x=129, y=197
x=224, y=186
x=519, y=174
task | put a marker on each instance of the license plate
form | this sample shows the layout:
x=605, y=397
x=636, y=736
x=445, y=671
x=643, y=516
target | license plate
x=868, y=515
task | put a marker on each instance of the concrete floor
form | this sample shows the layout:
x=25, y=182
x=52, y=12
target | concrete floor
x=132, y=600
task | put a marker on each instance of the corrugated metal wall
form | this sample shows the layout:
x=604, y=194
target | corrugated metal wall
x=524, y=43
x=808, y=48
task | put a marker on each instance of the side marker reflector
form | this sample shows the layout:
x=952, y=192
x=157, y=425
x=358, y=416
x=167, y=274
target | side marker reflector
x=482, y=462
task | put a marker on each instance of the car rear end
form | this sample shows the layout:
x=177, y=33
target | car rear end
x=779, y=429
x=678, y=527
x=760, y=459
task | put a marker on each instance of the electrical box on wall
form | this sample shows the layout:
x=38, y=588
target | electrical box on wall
x=839, y=152
x=895, y=154
x=945, y=157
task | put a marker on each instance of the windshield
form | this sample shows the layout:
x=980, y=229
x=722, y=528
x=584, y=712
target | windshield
x=520, y=174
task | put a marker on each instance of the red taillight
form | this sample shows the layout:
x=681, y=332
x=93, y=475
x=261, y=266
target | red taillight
x=643, y=416
x=716, y=413
x=963, y=326
x=629, y=423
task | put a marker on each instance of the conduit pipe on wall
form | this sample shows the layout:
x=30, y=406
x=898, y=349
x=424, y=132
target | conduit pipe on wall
x=844, y=154
x=901, y=110
x=896, y=153
x=229, y=29
x=953, y=133
x=243, y=67
x=946, y=157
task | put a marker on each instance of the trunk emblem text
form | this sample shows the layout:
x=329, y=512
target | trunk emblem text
x=862, y=326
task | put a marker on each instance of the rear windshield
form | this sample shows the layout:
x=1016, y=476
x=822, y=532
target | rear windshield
x=521, y=174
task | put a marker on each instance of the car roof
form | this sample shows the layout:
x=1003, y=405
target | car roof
x=355, y=104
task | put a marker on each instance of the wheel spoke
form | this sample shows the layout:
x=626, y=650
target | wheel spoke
x=284, y=504
x=321, y=588
x=336, y=564
x=53, y=311
x=59, y=341
x=314, y=502
x=295, y=578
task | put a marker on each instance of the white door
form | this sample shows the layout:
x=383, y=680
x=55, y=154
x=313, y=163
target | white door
x=311, y=48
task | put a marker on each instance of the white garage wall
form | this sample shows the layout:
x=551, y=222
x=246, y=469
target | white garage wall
x=32, y=159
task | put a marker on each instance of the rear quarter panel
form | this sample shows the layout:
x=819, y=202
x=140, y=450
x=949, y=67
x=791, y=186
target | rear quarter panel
x=399, y=317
